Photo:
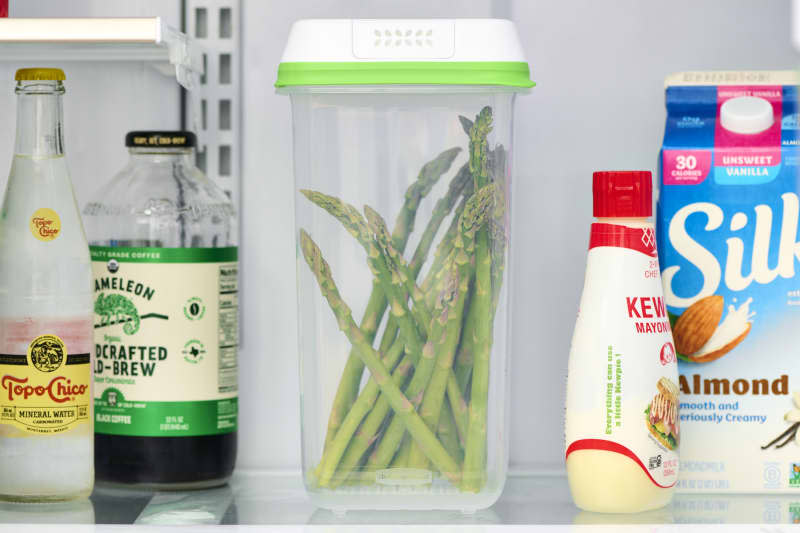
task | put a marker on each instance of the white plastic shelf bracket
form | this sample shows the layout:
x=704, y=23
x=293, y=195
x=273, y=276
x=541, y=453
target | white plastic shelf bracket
x=214, y=105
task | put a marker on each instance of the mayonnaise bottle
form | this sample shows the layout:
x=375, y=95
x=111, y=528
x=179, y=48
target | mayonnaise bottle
x=622, y=427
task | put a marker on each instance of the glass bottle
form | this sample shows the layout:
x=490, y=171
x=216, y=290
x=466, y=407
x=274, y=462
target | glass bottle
x=45, y=310
x=164, y=255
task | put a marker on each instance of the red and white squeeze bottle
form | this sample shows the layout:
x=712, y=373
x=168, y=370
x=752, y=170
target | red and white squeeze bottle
x=622, y=422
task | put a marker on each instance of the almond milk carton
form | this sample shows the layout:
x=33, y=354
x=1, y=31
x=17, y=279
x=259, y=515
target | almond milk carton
x=729, y=246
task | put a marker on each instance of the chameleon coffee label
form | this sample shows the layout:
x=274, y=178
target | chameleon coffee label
x=45, y=224
x=166, y=340
x=44, y=387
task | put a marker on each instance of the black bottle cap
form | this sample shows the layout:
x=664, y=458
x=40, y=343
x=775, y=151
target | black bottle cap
x=160, y=139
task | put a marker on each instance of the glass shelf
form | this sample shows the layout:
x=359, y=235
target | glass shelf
x=277, y=500
x=102, y=39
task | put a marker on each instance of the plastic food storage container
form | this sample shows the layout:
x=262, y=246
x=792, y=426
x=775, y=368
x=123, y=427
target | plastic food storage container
x=402, y=159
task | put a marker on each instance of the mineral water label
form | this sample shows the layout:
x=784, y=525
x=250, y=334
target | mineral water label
x=623, y=391
x=45, y=224
x=45, y=378
x=166, y=340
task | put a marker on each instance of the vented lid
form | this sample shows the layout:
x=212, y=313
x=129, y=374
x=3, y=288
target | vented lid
x=404, y=52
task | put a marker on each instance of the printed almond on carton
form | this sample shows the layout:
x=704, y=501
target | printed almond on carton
x=696, y=325
x=727, y=229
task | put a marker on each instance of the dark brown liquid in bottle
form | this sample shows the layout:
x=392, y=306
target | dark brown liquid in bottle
x=202, y=461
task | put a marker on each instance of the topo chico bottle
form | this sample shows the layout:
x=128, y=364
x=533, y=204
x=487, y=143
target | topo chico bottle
x=164, y=258
x=45, y=310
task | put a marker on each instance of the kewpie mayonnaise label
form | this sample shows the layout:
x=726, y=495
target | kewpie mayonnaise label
x=622, y=395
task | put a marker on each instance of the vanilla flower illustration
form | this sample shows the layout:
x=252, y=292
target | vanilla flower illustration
x=792, y=433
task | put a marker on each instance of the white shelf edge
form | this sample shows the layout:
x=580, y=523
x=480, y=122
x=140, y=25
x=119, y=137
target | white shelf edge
x=145, y=39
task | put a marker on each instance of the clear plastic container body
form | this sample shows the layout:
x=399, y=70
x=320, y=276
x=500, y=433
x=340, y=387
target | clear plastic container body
x=161, y=200
x=403, y=152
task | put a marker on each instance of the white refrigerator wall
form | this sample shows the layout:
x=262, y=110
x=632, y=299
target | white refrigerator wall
x=599, y=104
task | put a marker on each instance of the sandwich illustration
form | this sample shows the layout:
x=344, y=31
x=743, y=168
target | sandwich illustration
x=662, y=414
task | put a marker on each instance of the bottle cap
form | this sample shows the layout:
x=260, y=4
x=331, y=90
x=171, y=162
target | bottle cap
x=746, y=115
x=161, y=139
x=623, y=193
x=40, y=74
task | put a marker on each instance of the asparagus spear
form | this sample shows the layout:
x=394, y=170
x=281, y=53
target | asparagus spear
x=448, y=308
x=497, y=166
x=351, y=376
x=474, y=215
x=446, y=332
x=403, y=408
x=475, y=452
x=459, y=185
x=448, y=433
x=388, y=445
x=442, y=252
x=369, y=430
x=360, y=408
x=391, y=285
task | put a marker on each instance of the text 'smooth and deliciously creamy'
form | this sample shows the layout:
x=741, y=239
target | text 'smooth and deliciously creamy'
x=622, y=427
x=728, y=236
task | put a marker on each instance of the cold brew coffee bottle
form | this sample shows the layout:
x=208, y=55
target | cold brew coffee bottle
x=164, y=258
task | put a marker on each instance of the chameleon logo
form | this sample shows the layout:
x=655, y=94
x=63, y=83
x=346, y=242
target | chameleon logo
x=119, y=308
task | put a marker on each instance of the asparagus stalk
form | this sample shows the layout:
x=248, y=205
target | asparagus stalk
x=497, y=166
x=403, y=408
x=466, y=354
x=459, y=185
x=475, y=452
x=360, y=408
x=351, y=376
x=401, y=458
x=388, y=445
x=448, y=309
x=448, y=433
x=369, y=430
x=446, y=332
x=442, y=252
x=391, y=285
x=480, y=205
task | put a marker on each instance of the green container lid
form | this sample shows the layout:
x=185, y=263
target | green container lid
x=468, y=52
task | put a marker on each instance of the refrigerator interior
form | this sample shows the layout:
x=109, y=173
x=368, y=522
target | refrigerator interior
x=598, y=104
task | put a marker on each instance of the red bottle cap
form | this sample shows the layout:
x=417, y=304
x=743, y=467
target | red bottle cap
x=623, y=193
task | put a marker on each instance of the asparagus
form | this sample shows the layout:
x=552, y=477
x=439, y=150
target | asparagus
x=349, y=426
x=446, y=332
x=442, y=252
x=448, y=433
x=466, y=355
x=403, y=408
x=369, y=430
x=388, y=445
x=448, y=310
x=480, y=205
x=390, y=284
x=475, y=452
x=376, y=305
x=459, y=185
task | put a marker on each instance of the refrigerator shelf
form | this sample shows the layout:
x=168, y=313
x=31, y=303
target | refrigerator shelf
x=276, y=501
x=102, y=39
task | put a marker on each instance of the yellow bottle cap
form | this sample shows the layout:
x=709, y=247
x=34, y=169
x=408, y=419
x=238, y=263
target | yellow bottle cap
x=35, y=74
